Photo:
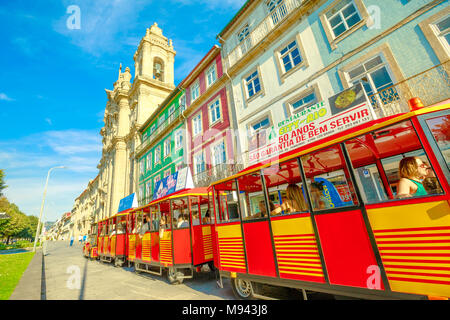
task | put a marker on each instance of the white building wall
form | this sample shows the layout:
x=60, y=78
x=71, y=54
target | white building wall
x=278, y=91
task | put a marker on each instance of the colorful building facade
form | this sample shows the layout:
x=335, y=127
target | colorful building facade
x=284, y=56
x=209, y=121
x=163, y=143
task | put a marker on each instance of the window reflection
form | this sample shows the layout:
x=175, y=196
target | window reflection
x=328, y=179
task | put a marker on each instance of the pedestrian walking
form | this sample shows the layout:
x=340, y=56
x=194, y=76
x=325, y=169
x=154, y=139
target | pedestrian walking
x=71, y=241
x=80, y=238
x=84, y=239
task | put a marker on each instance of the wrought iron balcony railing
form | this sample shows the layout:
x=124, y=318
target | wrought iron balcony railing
x=219, y=172
x=431, y=86
x=277, y=14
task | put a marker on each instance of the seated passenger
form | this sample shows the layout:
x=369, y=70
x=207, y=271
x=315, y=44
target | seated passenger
x=162, y=226
x=155, y=224
x=146, y=225
x=412, y=170
x=162, y=223
x=262, y=209
x=195, y=219
x=180, y=220
x=318, y=199
x=207, y=218
x=121, y=229
x=294, y=201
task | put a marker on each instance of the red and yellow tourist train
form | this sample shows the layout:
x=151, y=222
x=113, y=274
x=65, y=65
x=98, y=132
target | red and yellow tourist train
x=113, y=239
x=334, y=216
x=90, y=247
x=173, y=233
x=364, y=212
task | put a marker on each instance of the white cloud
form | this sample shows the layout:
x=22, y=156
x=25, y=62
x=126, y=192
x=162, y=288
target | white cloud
x=4, y=97
x=27, y=160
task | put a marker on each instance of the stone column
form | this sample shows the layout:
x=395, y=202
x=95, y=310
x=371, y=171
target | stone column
x=120, y=163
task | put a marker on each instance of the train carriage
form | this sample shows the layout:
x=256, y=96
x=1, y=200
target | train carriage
x=90, y=247
x=131, y=234
x=329, y=217
x=174, y=233
x=93, y=239
x=114, y=239
x=102, y=237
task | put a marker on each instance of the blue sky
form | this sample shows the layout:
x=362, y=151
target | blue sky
x=52, y=82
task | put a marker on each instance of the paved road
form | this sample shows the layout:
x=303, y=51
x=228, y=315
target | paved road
x=70, y=276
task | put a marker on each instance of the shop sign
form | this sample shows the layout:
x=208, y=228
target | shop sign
x=343, y=111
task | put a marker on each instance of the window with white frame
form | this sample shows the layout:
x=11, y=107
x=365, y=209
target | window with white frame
x=304, y=101
x=142, y=167
x=149, y=189
x=277, y=10
x=253, y=84
x=442, y=30
x=376, y=78
x=261, y=125
x=167, y=173
x=153, y=129
x=178, y=139
x=149, y=161
x=219, y=155
x=171, y=110
x=158, y=154
x=290, y=56
x=195, y=91
x=161, y=120
x=167, y=148
x=199, y=163
x=182, y=103
x=257, y=134
x=342, y=17
x=244, y=39
x=155, y=181
x=141, y=192
x=211, y=74
x=197, y=125
x=436, y=29
x=215, y=112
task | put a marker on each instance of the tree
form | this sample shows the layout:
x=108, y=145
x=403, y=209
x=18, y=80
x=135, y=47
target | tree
x=2, y=182
x=15, y=225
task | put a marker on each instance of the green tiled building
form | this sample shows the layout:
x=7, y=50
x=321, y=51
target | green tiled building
x=162, y=151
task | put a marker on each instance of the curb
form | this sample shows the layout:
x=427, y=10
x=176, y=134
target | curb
x=32, y=284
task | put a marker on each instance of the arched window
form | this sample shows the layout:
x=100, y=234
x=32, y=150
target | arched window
x=158, y=69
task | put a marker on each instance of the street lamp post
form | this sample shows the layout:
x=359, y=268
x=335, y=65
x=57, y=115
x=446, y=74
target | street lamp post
x=42, y=206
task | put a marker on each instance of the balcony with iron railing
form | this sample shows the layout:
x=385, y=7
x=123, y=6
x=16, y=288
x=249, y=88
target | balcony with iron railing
x=159, y=129
x=431, y=86
x=218, y=172
x=277, y=14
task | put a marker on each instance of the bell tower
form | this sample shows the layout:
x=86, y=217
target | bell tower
x=154, y=72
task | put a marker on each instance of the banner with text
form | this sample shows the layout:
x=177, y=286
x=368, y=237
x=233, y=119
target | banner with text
x=175, y=182
x=345, y=110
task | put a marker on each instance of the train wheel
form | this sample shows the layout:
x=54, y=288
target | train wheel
x=242, y=289
x=211, y=266
x=174, y=276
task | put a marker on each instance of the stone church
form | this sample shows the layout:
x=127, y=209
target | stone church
x=129, y=104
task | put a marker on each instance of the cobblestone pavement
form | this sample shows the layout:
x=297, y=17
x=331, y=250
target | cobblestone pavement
x=70, y=276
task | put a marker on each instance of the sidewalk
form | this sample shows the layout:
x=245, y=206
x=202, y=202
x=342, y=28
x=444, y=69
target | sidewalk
x=30, y=286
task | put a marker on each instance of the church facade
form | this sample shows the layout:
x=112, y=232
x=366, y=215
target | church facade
x=129, y=104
